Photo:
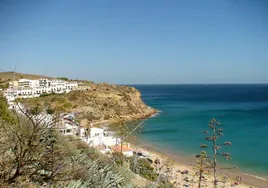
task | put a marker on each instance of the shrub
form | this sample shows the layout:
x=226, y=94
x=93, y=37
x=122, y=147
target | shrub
x=46, y=94
x=67, y=105
x=35, y=110
x=60, y=99
x=50, y=111
x=143, y=168
x=63, y=78
x=118, y=158
x=72, y=96
x=5, y=113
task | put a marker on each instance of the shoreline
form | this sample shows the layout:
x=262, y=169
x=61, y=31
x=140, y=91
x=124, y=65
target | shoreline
x=185, y=163
x=181, y=160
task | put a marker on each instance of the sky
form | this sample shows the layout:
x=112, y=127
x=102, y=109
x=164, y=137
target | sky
x=138, y=41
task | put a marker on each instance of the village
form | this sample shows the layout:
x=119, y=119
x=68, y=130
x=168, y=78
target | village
x=98, y=137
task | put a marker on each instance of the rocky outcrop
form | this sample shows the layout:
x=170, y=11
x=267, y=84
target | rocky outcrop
x=104, y=102
x=101, y=103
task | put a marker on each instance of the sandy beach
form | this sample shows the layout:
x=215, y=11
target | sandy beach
x=181, y=164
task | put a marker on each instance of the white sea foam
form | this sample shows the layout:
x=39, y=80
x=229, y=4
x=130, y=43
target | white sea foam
x=156, y=114
x=258, y=177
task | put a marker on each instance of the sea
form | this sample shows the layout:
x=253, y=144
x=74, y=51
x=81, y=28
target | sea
x=185, y=111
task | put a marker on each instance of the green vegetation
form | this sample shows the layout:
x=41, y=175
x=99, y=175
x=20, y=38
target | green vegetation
x=55, y=102
x=101, y=102
x=63, y=78
x=35, y=110
x=118, y=158
x=50, y=111
x=67, y=105
x=143, y=168
x=5, y=114
x=48, y=94
x=33, y=154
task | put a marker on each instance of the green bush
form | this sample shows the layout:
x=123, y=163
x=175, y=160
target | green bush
x=60, y=99
x=35, y=110
x=118, y=158
x=67, y=105
x=5, y=113
x=45, y=94
x=63, y=78
x=143, y=168
x=50, y=111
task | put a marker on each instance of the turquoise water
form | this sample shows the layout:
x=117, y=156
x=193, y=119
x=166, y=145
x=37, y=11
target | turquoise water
x=186, y=110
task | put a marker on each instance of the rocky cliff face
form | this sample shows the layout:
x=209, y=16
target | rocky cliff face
x=110, y=102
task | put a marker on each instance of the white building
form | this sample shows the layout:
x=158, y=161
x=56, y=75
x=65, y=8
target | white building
x=34, y=88
x=97, y=137
x=68, y=126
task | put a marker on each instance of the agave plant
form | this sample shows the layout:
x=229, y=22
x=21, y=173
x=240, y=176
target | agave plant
x=96, y=174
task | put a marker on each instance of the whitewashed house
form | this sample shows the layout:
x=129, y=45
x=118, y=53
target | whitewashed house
x=98, y=137
x=26, y=88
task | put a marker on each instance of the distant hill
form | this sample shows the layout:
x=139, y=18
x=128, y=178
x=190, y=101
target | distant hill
x=9, y=75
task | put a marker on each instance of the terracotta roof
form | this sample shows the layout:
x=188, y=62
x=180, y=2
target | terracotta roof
x=118, y=149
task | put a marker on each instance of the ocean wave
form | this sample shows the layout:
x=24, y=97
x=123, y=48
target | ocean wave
x=156, y=114
x=258, y=177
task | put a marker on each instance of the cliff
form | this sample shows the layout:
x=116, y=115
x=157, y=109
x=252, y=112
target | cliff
x=101, y=103
x=109, y=102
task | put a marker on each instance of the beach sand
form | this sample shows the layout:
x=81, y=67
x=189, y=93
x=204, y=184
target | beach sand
x=182, y=163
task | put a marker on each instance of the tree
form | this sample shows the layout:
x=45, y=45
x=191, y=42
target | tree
x=216, y=133
x=33, y=154
x=21, y=146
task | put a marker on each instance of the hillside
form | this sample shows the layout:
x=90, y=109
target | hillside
x=102, y=103
x=34, y=154
x=6, y=77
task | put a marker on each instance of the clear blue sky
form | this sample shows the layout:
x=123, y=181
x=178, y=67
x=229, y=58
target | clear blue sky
x=138, y=41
